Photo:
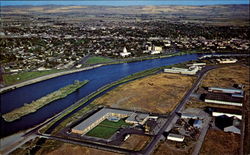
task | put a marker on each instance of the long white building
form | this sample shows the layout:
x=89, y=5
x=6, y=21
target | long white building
x=190, y=71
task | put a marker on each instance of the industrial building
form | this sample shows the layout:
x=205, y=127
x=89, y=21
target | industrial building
x=227, y=96
x=175, y=137
x=108, y=113
x=222, y=98
x=224, y=61
x=189, y=116
x=227, y=112
x=232, y=91
x=190, y=71
x=234, y=127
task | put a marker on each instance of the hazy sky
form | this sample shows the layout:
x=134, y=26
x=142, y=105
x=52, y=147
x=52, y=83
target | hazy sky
x=125, y=3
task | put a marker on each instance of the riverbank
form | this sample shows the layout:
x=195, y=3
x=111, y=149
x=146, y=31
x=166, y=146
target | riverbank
x=34, y=106
x=46, y=77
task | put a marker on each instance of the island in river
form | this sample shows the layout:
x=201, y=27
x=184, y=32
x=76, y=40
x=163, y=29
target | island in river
x=34, y=106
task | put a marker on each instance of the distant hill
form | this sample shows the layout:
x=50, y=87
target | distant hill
x=204, y=13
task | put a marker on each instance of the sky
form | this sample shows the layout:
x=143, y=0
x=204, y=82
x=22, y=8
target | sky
x=125, y=2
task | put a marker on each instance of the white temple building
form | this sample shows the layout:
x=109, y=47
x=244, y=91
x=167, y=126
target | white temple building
x=125, y=52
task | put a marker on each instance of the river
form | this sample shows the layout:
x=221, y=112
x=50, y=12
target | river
x=97, y=77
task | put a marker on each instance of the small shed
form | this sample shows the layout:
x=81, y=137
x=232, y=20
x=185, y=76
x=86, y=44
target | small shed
x=175, y=137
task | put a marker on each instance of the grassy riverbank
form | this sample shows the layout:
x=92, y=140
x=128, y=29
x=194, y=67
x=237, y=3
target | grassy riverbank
x=34, y=106
x=98, y=60
x=10, y=79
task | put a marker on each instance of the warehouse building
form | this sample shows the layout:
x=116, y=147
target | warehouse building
x=110, y=114
x=226, y=90
x=189, y=116
x=190, y=71
x=225, y=99
x=226, y=61
x=227, y=112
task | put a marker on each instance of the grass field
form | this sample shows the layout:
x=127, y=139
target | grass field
x=96, y=60
x=10, y=79
x=106, y=129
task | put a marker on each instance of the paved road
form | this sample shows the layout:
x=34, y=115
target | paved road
x=201, y=138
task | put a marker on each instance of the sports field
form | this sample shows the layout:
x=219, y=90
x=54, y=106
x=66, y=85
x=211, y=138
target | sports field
x=106, y=129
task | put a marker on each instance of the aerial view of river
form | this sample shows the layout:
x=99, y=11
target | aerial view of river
x=97, y=77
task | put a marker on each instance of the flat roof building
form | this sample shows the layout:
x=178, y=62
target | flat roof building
x=175, y=137
x=227, y=112
x=97, y=118
x=189, y=116
x=187, y=71
x=137, y=118
x=109, y=113
x=222, y=98
x=225, y=90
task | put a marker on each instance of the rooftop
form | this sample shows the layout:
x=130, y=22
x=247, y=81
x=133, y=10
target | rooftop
x=223, y=97
x=105, y=111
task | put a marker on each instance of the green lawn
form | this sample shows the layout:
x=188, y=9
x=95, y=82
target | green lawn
x=118, y=124
x=102, y=132
x=10, y=79
x=96, y=60
x=106, y=129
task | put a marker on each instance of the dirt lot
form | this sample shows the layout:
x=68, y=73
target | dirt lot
x=228, y=76
x=136, y=142
x=158, y=93
x=219, y=142
x=164, y=148
x=59, y=148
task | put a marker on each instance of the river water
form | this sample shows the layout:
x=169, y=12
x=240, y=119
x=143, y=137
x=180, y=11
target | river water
x=97, y=77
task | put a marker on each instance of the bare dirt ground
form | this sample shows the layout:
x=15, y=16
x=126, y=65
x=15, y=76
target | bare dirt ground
x=58, y=148
x=158, y=93
x=219, y=142
x=227, y=76
x=164, y=148
x=136, y=142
